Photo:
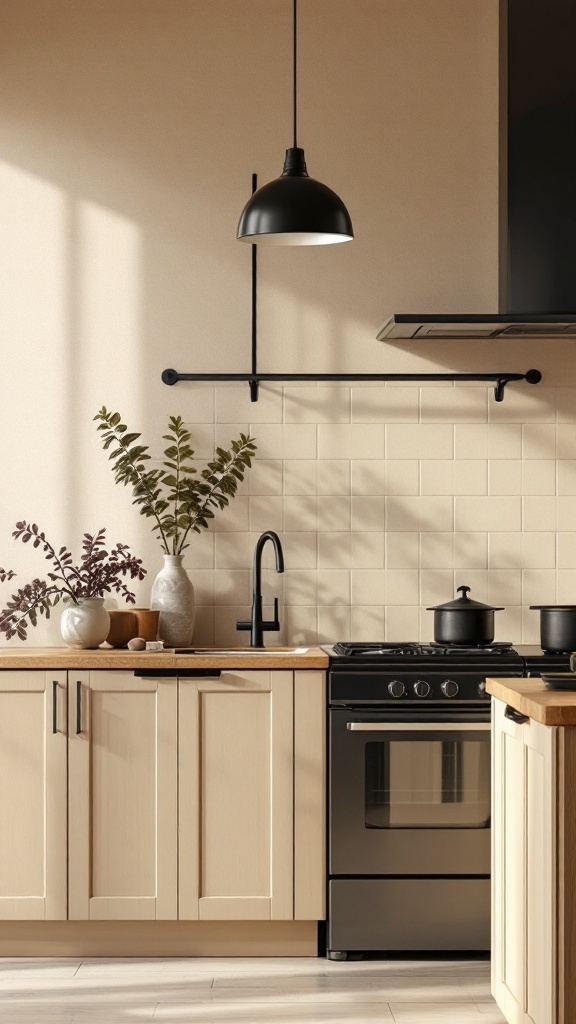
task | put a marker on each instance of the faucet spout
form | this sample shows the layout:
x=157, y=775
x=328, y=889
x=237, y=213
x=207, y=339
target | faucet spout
x=257, y=624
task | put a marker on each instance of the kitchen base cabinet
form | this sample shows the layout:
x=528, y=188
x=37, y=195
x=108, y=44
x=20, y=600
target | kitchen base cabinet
x=33, y=730
x=122, y=791
x=533, y=883
x=136, y=799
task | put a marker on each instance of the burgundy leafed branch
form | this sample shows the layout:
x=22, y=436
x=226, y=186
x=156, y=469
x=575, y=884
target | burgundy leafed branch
x=98, y=572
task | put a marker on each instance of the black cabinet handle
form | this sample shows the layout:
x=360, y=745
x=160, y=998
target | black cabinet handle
x=515, y=716
x=78, y=707
x=54, y=705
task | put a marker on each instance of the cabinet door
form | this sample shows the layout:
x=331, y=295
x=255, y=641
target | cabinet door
x=33, y=795
x=523, y=869
x=122, y=797
x=236, y=796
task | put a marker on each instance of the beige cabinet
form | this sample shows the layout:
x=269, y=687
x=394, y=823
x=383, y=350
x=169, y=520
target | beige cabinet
x=33, y=742
x=236, y=796
x=122, y=794
x=524, y=880
x=158, y=798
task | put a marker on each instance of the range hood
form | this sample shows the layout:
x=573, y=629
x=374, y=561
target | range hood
x=537, y=253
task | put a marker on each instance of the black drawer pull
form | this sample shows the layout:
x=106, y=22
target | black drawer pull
x=54, y=705
x=78, y=707
x=515, y=716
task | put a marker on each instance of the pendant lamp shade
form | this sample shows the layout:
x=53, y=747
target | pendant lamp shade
x=295, y=209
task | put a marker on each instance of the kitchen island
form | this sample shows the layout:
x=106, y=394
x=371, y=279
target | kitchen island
x=533, y=843
x=161, y=804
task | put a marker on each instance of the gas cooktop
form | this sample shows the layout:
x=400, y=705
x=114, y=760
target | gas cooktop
x=398, y=649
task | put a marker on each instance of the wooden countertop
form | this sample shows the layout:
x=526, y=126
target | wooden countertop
x=117, y=658
x=531, y=697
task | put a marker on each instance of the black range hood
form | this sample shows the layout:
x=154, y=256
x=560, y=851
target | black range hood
x=537, y=268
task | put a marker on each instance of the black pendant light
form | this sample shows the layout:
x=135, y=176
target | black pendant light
x=295, y=209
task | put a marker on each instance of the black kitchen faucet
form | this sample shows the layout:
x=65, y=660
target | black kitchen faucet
x=257, y=624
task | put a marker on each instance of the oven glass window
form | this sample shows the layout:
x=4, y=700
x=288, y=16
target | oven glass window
x=441, y=781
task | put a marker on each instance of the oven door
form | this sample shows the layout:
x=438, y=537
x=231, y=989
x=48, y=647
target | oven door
x=409, y=793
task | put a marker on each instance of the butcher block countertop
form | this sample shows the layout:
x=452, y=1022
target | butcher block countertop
x=117, y=658
x=531, y=697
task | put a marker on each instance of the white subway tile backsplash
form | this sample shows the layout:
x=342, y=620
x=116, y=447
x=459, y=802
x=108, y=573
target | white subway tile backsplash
x=437, y=476
x=368, y=513
x=350, y=441
x=566, y=441
x=538, y=476
x=505, y=476
x=437, y=550
x=566, y=476
x=367, y=550
x=317, y=405
x=458, y=405
x=267, y=513
x=333, y=586
x=367, y=623
x=539, y=513
x=470, y=476
x=368, y=586
x=538, y=586
x=300, y=513
x=387, y=498
x=566, y=586
x=385, y=405
x=233, y=405
x=402, y=623
x=265, y=476
x=402, y=550
x=334, y=476
x=539, y=441
x=419, y=441
x=334, y=513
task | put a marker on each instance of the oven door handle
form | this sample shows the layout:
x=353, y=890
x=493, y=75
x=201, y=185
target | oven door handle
x=418, y=726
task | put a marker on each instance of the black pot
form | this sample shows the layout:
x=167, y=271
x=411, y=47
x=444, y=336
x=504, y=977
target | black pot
x=557, y=627
x=463, y=621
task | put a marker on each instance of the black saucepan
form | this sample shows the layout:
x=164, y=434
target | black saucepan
x=464, y=621
x=557, y=627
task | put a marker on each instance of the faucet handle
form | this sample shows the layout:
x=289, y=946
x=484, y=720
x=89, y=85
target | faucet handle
x=273, y=626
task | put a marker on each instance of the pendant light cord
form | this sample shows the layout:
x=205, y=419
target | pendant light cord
x=294, y=72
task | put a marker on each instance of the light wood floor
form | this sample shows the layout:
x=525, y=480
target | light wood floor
x=244, y=991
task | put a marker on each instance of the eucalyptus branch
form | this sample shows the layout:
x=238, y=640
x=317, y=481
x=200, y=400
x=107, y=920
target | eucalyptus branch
x=177, y=498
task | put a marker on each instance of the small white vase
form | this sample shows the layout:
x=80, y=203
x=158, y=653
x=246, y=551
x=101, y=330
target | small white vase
x=173, y=596
x=85, y=625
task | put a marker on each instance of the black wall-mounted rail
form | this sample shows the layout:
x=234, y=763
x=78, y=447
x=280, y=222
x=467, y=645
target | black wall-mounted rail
x=254, y=378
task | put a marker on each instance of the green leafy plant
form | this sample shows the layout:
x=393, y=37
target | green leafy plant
x=176, y=497
x=97, y=573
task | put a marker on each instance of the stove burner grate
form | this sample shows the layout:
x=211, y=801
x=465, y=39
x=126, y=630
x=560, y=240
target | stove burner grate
x=391, y=649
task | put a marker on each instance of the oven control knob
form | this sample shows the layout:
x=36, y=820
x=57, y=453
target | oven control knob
x=396, y=688
x=449, y=688
x=421, y=688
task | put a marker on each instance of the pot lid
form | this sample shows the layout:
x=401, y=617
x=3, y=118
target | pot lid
x=464, y=604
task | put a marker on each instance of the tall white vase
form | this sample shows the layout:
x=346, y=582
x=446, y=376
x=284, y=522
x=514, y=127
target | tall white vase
x=173, y=596
x=85, y=625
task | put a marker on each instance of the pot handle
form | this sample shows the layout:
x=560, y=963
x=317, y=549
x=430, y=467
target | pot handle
x=464, y=591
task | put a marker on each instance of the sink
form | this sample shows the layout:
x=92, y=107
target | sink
x=248, y=652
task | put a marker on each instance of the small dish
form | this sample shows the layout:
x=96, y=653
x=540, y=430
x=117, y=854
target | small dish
x=560, y=681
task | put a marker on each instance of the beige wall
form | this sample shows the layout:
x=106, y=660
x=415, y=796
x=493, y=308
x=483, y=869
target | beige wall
x=129, y=130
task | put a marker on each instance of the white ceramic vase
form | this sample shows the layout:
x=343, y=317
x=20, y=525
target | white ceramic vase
x=85, y=625
x=173, y=596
